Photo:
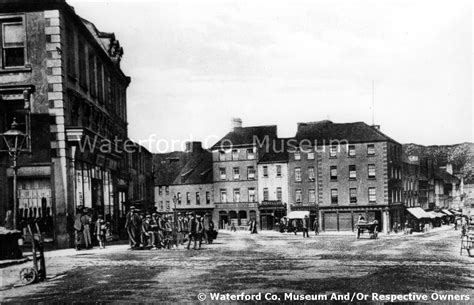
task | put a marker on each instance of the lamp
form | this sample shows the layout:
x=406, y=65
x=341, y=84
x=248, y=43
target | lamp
x=14, y=140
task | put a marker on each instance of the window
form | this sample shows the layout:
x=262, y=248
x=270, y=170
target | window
x=208, y=198
x=92, y=75
x=235, y=154
x=352, y=172
x=353, y=195
x=250, y=154
x=223, y=196
x=167, y=190
x=312, y=196
x=299, y=196
x=221, y=155
x=168, y=207
x=278, y=170
x=236, y=173
x=198, y=198
x=297, y=155
x=265, y=194
x=351, y=150
x=370, y=149
x=222, y=173
x=82, y=64
x=178, y=197
x=188, y=198
x=236, y=195
x=250, y=172
x=333, y=151
x=252, y=194
x=265, y=171
x=311, y=173
x=333, y=172
x=279, y=193
x=160, y=190
x=297, y=174
x=372, y=197
x=371, y=170
x=311, y=155
x=13, y=42
x=334, y=196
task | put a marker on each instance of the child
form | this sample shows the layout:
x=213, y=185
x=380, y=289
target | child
x=101, y=230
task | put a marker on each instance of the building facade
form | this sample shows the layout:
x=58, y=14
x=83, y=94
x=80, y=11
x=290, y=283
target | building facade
x=61, y=79
x=235, y=166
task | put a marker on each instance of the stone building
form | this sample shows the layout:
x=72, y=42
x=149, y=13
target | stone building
x=61, y=79
x=183, y=181
x=358, y=171
x=273, y=195
x=235, y=163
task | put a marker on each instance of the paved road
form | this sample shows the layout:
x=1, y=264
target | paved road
x=267, y=263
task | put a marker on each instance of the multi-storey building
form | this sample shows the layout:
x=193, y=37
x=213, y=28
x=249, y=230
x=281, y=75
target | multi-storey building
x=61, y=79
x=183, y=181
x=358, y=171
x=235, y=164
x=273, y=186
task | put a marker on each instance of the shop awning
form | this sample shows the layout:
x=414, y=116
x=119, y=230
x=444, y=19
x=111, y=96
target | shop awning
x=434, y=214
x=418, y=213
x=298, y=214
x=447, y=212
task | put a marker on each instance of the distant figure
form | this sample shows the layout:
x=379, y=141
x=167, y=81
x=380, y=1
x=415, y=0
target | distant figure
x=101, y=231
x=253, y=226
x=132, y=225
x=316, y=226
x=361, y=218
x=78, y=228
x=232, y=227
x=306, y=226
x=9, y=220
x=86, y=224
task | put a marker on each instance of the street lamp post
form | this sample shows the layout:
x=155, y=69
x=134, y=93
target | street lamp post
x=14, y=140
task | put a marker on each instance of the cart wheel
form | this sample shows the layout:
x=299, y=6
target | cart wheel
x=28, y=275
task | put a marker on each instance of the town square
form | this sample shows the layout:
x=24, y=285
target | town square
x=232, y=151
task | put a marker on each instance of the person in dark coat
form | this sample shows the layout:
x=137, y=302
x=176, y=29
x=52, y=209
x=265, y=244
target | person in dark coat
x=78, y=228
x=253, y=226
x=196, y=229
x=147, y=237
x=306, y=226
x=316, y=226
x=132, y=225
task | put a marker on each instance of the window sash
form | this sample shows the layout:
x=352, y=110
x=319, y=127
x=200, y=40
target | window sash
x=298, y=174
x=19, y=30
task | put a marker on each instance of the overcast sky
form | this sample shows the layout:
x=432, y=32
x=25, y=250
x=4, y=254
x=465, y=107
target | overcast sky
x=196, y=64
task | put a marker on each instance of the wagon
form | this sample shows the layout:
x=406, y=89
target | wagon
x=367, y=227
x=467, y=240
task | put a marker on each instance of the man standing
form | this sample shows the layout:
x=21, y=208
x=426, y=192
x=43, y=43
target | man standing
x=146, y=233
x=253, y=226
x=192, y=230
x=316, y=226
x=78, y=227
x=305, y=226
x=86, y=224
x=132, y=227
x=180, y=229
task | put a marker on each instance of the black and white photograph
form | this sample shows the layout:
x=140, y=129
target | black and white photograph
x=236, y=151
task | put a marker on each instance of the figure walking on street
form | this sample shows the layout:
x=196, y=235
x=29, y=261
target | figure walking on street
x=86, y=224
x=132, y=225
x=316, y=226
x=78, y=228
x=306, y=226
x=253, y=226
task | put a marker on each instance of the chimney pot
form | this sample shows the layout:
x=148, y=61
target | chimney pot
x=193, y=147
x=236, y=123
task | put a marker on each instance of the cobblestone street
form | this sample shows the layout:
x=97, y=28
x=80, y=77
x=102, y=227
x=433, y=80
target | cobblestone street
x=267, y=262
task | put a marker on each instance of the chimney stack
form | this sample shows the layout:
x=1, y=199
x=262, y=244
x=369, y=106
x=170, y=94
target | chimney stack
x=236, y=123
x=193, y=147
x=376, y=127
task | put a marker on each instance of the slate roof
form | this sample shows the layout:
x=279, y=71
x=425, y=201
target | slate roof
x=243, y=136
x=167, y=166
x=277, y=153
x=445, y=176
x=325, y=131
x=198, y=169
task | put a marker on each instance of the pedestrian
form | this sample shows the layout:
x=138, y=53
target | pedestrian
x=180, y=230
x=253, y=226
x=316, y=226
x=207, y=228
x=305, y=226
x=86, y=224
x=147, y=233
x=101, y=231
x=199, y=232
x=132, y=225
x=78, y=228
x=232, y=227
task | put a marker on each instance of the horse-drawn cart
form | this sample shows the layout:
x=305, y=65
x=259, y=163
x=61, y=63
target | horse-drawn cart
x=467, y=240
x=370, y=228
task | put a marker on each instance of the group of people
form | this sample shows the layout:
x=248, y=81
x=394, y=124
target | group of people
x=156, y=231
x=299, y=224
x=85, y=228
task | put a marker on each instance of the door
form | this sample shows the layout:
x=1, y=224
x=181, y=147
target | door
x=330, y=221
x=345, y=221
